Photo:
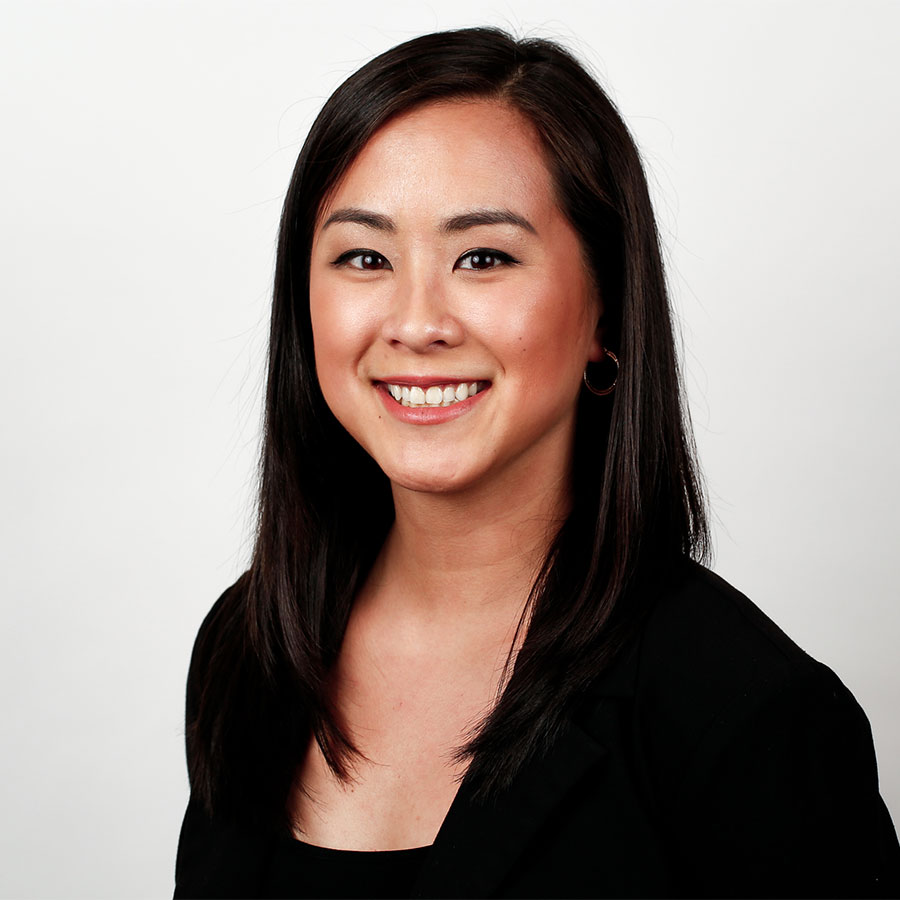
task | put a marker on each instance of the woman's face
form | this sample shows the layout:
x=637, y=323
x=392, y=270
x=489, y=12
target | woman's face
x=444, y=274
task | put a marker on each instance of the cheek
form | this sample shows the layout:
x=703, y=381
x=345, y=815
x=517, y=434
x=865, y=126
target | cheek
x=341, y=330
x=337, y=341
x=548, y=332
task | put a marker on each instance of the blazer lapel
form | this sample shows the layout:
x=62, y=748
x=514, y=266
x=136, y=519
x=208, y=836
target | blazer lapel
x=478, y=843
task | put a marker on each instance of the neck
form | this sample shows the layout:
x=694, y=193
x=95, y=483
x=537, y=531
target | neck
x=471, y=553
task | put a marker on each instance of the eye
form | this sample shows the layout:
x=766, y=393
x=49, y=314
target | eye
x=483, y=258
x=363, y=260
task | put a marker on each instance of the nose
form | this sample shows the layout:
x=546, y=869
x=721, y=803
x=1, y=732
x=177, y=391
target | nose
x=419, y=317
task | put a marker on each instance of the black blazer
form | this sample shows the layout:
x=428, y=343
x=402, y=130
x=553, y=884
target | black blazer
x=715, y=759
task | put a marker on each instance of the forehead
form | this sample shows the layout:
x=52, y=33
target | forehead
x=465, y=153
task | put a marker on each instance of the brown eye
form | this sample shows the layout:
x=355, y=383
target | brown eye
x=366, y=260
x=371, y=261
x=481, y=259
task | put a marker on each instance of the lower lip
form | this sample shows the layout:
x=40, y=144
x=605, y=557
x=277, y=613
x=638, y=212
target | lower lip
x=427, y=415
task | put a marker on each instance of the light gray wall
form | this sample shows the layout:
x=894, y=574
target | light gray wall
x=145, y=151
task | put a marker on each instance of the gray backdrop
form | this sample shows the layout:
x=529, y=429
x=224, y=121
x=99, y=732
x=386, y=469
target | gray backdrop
x=146, y=148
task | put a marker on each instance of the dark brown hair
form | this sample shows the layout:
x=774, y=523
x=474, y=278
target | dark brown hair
x=257, y=687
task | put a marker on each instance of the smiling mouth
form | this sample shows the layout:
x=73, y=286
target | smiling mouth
x=434, y=395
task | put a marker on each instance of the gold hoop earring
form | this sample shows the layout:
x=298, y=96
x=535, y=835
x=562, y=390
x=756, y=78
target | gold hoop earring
x=602, y=392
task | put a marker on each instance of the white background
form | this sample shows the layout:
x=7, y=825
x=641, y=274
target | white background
x=145, y=151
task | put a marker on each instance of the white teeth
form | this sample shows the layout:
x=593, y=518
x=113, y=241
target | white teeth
x=435, y=395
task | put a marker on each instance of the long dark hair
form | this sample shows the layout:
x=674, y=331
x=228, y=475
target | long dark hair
x=259, y=675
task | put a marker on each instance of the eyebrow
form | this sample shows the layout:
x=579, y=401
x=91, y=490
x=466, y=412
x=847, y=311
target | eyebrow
x=462, y=222
x=361, y=217
x=476, y=217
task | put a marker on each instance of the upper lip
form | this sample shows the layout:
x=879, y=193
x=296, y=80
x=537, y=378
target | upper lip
x=425, y=381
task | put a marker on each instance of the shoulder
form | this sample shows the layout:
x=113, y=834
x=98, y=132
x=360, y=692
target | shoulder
x=755, y=750
x=697, y=612
x=710, y=665
x=213, y=690
x=224, y=610
x=706, y=648
x=220, y=633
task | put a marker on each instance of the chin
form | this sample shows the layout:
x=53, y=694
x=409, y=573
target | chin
x=435, y=479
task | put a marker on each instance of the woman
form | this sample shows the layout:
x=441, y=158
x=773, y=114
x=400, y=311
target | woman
x=472, y=655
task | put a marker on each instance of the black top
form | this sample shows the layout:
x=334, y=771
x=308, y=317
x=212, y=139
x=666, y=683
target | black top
x=298, y=869
x=715, y=759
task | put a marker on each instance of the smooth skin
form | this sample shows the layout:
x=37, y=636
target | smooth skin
x=442, y=255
